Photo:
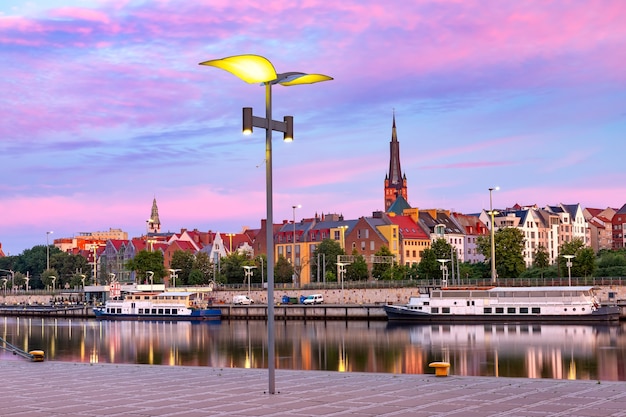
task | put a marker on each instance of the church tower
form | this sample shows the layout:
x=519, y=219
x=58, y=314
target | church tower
x=395, y=181
x=153, y=223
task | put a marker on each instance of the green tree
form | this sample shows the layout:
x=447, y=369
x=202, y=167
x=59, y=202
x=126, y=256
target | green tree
x=202, y=263
x=185, y=262
x=541, y=259
x=283, y=271
x=583, y=263
x=261, y=267
x=196, y=277
x=428, y=267
x=382, y=270
x=232, y=267
x=328, y=250
x=509, y=244
x=357, y=270
x=145, y=261
x=50, y=278
x=611, y=263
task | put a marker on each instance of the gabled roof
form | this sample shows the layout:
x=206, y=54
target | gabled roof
x=622, y=210
x=408, y=228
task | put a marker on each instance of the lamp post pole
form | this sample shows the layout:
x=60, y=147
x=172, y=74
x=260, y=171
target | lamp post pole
x=569, y=268
x=48, y=250
x=444, y=272
x=248, y=272
x=493, y=240
x=293, y=251
x=255, y=69
x=174, y=275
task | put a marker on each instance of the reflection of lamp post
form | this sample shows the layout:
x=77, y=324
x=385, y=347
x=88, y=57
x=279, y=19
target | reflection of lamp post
x=256, y=69
x=48, y=250
x=493, y=241
x=94, y=247
x=174, y=275
x=444, y=271
x=342, y=230
x=248, y=271
x=569, y=268
x=293, y=252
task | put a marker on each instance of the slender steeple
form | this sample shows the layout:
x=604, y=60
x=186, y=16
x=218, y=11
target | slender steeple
x=153, y=223
x=395, y=182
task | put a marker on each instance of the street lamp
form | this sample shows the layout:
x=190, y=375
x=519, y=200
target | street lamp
x=150, y=274
x=255, y=69
x=174, y=275
x=341, y=274
x=94, y=247
x=48, y=250
x=444, y=271
x=569, y=268
x=54, y=280
x=248, y=270
x=293, y=251
x=12, y=277
x=493, y=241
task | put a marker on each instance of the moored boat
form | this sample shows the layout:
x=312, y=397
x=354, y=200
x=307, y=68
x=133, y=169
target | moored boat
x=158, y=306
x=504, y=304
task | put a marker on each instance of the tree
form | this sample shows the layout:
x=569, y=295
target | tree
x=328, y=250
x=428, y=267
x=357, y=270
x=611, y=263
x=50, y=278
x=541, y=259
x=184, y=261
x=145, y=261
x=509, y=244
x=283, y=271
x=232, y=267
x=202, y=264
x=382, y=270
x=583, y=263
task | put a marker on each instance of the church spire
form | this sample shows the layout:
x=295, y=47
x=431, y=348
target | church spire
x=395, y=181
x=153, y=223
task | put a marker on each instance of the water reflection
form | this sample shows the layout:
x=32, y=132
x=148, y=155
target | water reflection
x=532, y=351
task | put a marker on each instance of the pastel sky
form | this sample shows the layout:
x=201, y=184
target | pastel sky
x=104, y=107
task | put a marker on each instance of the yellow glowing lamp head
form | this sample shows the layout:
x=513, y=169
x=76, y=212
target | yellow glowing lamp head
x=250, y=68
x=304, y=79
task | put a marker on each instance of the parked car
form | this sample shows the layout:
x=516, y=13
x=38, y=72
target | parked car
x=314, y=299
x=242, y=300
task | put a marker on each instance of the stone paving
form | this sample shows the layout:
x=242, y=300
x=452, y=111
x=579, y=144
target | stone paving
x=51, y=389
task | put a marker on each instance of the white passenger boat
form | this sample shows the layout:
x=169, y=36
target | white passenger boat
x=158, y=306
x=504, y=304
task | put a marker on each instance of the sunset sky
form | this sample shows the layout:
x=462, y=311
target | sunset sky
x=104, y=107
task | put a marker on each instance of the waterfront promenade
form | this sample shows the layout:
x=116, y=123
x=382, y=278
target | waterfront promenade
x=69, y=389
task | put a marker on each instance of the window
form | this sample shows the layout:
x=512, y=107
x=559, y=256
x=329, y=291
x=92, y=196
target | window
x=434, y=310
x=363, y=245
x=445, y=310
x=523, y=310
x=372, y=245
x=487, y=310
x=511, y=310
x=536, y=310
x=499, y=310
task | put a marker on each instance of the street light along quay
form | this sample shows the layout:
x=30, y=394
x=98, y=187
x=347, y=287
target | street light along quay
x=255, y=69
x=48, y=250
x=493, y=241
x=569, y=268
x=293, y=252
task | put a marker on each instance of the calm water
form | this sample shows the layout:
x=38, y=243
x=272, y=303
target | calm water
x=532, y=351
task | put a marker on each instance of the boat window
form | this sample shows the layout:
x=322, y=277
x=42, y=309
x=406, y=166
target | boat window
x=487, y=310
x=499, y=310
x=154, y=311
x=445, y=310
x=523, y=310
x=434, y=310
x=511, y=310
x=141, y=311
x=167, y=311
x=536, y=310
x=174, y=311
x=160, y=311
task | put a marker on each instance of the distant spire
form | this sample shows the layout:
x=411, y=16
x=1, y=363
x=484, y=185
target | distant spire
x=395, y=181
x=154, y=223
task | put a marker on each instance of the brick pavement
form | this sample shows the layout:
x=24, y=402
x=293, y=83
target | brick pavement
x=70, y=389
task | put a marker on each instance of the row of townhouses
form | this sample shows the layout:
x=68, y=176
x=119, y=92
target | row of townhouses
x=406, y=231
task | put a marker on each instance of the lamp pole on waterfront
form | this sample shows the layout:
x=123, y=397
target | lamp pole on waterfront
x=569, y=268
x=12, y=277
x=54, y=280
x=255, y=69
x=48, y=250
x=293, y=251
x=493, y=239
x=174, y=275
x=444, y=271
x=248, y=271
x=150, y=275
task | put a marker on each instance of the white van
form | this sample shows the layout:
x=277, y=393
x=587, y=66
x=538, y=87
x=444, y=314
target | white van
x=314, y=299
x=242, y=300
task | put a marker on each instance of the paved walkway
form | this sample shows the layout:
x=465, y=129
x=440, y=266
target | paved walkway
x=67, y=389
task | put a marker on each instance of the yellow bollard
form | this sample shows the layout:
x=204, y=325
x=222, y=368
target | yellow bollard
x=36, y=355
x=441, y=368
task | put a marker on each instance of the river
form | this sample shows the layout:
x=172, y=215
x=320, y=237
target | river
x=590, y=352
